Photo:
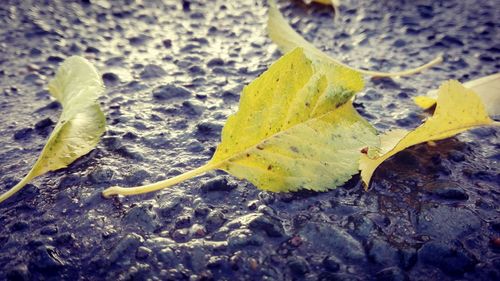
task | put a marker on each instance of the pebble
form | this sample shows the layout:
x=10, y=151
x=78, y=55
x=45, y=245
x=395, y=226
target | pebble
x=143, y=252
x=272, y=227
x=182, y=221
x=23, y=134
x=111, y=142
x=337, y=240
x=196, y=70
x=456, y=156
x=126, y=248
x=331, y=263
x=209, y=128
x=381, y=252
x=201, y=210
x=55, y=59
x=180, y=235
x=65, y=238
x=167, y=256
x=141, y=216
x=69, y=181
x=129, y=153
x=217, y=184
x=20, y=225
x=167, y=43
x=137, y=177
x=101, y=175
x=151, y=71
x=139, y=40
x=92, y=50
x=217, y=261
x=496, y=225
x=47, y=259
x=495, y=243
x=110, y=79
x=392, y=274
x=171, y=91
x=18, y=273
x=242, y=238
x=49, y=230
x=361, y=225
x=452, y=260
x=198, y=231
x=215, y=219
x=445, y=223
x=215, y=62
x=193, y=107
x=446, y=190
x=298, y=266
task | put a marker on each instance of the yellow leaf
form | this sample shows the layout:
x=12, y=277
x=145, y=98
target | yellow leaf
x=458, y=109
x=487, y=88
x=295, y=128
x=76, y=86
x=283, y=35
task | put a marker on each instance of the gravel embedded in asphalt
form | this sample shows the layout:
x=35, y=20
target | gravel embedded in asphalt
x=173, y=72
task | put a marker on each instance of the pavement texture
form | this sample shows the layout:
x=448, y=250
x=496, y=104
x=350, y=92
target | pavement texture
x=174, y=71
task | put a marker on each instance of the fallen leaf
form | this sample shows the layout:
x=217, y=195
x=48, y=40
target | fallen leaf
x=458, y=109
x=487, y=88
x=76, y=86
x=283, y=35
x=295, y=128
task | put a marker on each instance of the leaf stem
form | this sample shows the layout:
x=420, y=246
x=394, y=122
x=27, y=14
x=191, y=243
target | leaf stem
x=117, y=190
x=15, y=188
x=421, y=68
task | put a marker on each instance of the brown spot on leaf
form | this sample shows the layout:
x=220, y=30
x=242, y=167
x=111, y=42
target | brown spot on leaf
x=269, y=168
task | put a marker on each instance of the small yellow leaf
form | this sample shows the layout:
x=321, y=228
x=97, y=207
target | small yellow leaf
x=487, y=88
x=77, y=86
x=296, y=128
x=458, y=109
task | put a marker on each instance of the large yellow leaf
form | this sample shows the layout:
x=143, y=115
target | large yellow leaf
x=76, y=86
x=458, y=109
x=295, y=128
x=287, y=39
x=487, y=88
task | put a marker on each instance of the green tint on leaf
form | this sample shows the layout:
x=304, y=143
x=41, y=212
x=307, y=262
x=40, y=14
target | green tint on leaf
x=76, y=86
x=295, y=129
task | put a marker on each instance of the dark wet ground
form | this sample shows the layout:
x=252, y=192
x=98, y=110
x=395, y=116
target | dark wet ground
x=173, y=72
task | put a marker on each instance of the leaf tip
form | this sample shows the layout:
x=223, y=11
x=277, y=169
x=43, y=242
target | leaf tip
x=112, y=191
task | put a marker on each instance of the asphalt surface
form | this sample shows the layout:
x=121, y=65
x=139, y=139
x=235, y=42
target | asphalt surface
x=174, y=71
